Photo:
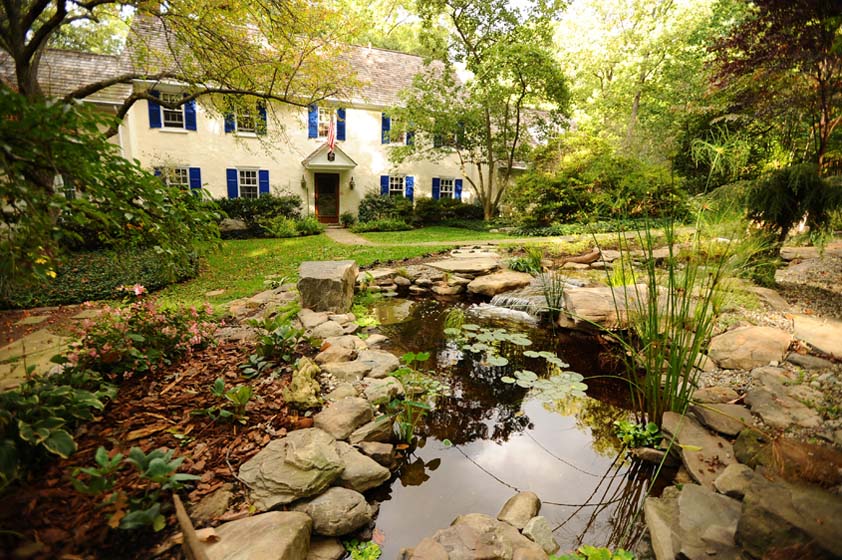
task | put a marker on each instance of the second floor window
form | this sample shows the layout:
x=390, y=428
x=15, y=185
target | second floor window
x=324, y=121
x=396, y=185
x=246, y=121
x=172, y=118
x=446, y=188
x=248, y=183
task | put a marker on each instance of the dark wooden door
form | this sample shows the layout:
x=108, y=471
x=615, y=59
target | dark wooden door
x=327, y=197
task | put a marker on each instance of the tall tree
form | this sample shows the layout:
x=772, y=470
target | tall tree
x=514, y=86
x=787, y=56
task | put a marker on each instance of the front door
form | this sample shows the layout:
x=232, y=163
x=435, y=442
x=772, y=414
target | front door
x=327, y=197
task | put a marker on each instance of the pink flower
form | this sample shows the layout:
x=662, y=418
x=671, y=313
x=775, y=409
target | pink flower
x=138, y=290
x=73, y=358
x=92, y=353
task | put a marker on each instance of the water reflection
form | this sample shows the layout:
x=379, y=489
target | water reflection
x=565, y=451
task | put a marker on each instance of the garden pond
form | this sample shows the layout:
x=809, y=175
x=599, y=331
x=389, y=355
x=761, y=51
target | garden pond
x=491, y=439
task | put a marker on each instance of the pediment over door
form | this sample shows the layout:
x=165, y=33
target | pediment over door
x=318, y=160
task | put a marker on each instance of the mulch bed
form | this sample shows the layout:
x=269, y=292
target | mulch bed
x=149, y=412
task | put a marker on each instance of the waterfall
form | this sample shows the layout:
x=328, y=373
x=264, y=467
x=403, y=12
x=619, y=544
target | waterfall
x=530, y=299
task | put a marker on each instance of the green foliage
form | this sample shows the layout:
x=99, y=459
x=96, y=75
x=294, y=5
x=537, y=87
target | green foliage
x=552, y=287
x=158, y=472
x=139, y=338
x=587, y=227
x=435, y=211
x=255, y=366
x=550, y=389
x=38, y=418
x=422, y=391
x=588, y=552
x=309, y=226
x=381, y=225
x=121, y=204
x=258, y=212
x=89, y=276
x=278, y=338
x=374, y=207
x=491, y=343
x=234, y=409
x=347, y=219
x=280, y=227
x=531, y=262
x=637, y=435
x=366, y=550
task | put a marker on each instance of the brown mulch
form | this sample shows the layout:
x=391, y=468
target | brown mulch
x=151, y=411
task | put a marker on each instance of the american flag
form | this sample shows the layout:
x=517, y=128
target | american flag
x=331, y=135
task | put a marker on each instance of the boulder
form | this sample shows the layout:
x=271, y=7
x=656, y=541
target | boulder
x=276, y=535
x=749, y=347
x=821, y=333
x=337, y=512
x=334, y=354
x=519, y=509
x=232, y=225
x=402, y=282
x=212, y=505
x=806, y=361
x=327, y=330
x=383, y=453
x=382, y=391
x=792, y=459
x=325, y=549
x=777, y=401
x=538, y=530
x=605, y=307
x=444, y=290
x=782, y=520
x=468, y=265
x=715, y=395
x=303, y=390
x=361, y=473
x=734, y=480
x=327, y=285
x=499, y=282
x=376, y=339
x=380, y=429
x=347, y=372
x=341, y=418
x=728, y=419
x=342, y=318
x=349, y=341
x=382, y=363
x=341, y=391
x=704, y=454
x=302, y=464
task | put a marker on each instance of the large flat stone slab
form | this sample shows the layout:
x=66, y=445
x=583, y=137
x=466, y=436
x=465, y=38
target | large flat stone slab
x=821, y=333
x=602, y=307
x=499, y=282
x=704, y=454
x=728, y=419
x=749, y=347
x=327, y=285
x=35, y=349
x=469, y=265
x=276, y=535
x=777, y=400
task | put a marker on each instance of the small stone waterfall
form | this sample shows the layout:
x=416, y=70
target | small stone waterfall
x=531, y=299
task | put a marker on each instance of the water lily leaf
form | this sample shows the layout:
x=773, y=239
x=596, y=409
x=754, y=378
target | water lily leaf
x=497, y=361
x=532, y=354
x=450, y=331
x=507, y=379
x=470, y=327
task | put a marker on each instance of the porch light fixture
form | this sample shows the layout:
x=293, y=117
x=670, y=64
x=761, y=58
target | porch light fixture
x=303, y=182
x=352, y=184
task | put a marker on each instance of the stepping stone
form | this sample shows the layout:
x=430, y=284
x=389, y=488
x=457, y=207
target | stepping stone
x=33, y=320
x=778, y=402
x=213, y=293
x=35, y=349
x=499, y=282
x=472, y=265
x=341, y=418
x=704, y=454
x=86, y=314
x=749, y=347
x=728, y=419
x=822, y=334
x=277, y=535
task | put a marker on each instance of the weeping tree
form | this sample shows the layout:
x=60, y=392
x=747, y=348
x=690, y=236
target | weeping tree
x=515, y=92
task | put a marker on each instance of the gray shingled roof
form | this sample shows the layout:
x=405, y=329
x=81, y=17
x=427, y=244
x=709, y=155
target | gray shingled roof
x=381, y=73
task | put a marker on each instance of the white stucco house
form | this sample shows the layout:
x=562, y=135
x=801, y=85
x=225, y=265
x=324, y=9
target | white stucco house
x=281, y=149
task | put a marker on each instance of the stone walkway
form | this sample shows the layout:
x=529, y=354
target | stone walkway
x=345, y=237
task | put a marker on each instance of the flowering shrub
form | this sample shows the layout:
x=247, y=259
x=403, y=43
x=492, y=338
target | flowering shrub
x=139, y=337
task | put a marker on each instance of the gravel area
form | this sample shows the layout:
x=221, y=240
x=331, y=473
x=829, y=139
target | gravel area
x=813, y=285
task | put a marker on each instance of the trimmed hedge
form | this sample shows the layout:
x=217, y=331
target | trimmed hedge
x=432, y=211
x=381, y=225
x=97, y=275
x=254, y=211
x=375, y=207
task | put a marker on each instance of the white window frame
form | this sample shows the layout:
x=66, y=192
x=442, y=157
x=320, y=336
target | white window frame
x=244, y=181
x=323, y=125
x=245, y=121
x=175, y=115
x=397, y=182
x=447, y=187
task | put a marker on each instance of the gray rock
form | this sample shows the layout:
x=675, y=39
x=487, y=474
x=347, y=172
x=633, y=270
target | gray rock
x=424, y=282
x=654, y=456
x=299, y=465
x=382, y=391
x=771, y=398
x=303, y=390
x=734, y=480
x=539, y=531
x=606, y=307
x=728, y=419
x=276, y=535
x=347, y=372
x=327, y=330
x=383, y=453
x=458, y=281
x=361, y=473
x=325, y=549
x=228, y=225
x=443, y=290
x=661, y=515
x=327, y=285
x=705, y=455
x=402, y=282
x=471, y=265
x=417, y=290
x=337, y=512
x=715, y=395
x=235, y=334
x=349, y=341
x=783, y=520
x=382, y=363
x=342, y=318
x=380, y=429
x=341, y=391
x=749, y=347
x=311, y=319
x=499, y=282
x=519, y=509
x=821, y=333
x=341, y=418
x=213, y=505
x=333, y=354
x=376, y=339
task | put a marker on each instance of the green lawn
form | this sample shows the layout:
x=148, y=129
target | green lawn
x=240, y=267
x=431, y=234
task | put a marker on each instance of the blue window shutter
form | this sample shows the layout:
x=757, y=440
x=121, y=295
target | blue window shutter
x=229, y=123
x=231, y=176
x=384, y=185
x=313, y=122
x=263, y=181
x=409, y=187
x=457, y=189
x=436, y=188
x=261, y=121
x=157, y=171
x=190, y=114
x=154, y=111
x=410, y=138
x=340, y=124
x=385, y=127
x=195, y=175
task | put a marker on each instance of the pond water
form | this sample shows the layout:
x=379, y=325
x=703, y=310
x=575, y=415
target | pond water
x=487, y=441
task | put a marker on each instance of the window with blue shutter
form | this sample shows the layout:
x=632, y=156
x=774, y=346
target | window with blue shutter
x=436, y=188
x=263, y=181
x=410, y=138
x=313, y=122
x=154, y=111
x=261, y=119
x=385, y=127
x=231, y=179
x=409, y=182
x=190, y=114
x=384, y=185
x=195, y=178
x=230, y=124
x=457, y=190
x=340, y=124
